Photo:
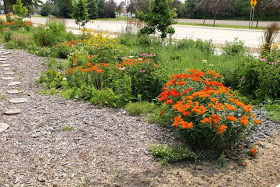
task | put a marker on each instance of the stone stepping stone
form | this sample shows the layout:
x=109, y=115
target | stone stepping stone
x=3, y=127
x=3, y=58
x=9, y=73
x=14, y=83
x=12, y=111
x=18, y=100
x=13, y=91
x=7, y=78
x=6, y=53
x=5, y=65
x=7, y=69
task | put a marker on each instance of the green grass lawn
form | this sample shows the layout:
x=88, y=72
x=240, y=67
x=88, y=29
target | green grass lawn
x=221, y=26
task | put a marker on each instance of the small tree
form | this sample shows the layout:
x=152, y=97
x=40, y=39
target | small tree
x=93, y=9
x=80, y=12
x=20, y=10
x=159, y=17
x=203, y=6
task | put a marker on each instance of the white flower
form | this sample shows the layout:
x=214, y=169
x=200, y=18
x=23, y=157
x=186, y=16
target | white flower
x=204, y=61
x=64, y=79
x=211, y=64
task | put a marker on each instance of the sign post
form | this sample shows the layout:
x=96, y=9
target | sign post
x=253, y=4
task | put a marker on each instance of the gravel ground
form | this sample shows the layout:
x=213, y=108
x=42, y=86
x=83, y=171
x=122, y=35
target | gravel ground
x=106, y=146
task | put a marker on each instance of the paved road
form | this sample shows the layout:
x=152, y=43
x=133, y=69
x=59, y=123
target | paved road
x=227, y=22
x=252, y=38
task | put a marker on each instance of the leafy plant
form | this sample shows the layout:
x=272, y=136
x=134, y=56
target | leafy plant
x=138, y=108
x=236, y=47
x=20, y=10
x=160, y=17
x=67, y=128
x=222, y=160
x=80, y=12
x=205, y=113
x=172, y=153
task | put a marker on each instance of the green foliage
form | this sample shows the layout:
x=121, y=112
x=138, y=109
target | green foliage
x=93, y=9
x=20, y=10
x=47, y=9
x=273, y=108
x=53, y=32
x=138, y=108
x=235, y=48
x=172, y=153
x=259, y=79
x=160, y=17
x=67, y=128
x=222, y=160
x=7, y=36
x=204, y=46
x=51, y=79
x=80, y=12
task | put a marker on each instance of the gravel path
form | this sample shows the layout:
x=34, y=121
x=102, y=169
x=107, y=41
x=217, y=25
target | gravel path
x=36, y=150
x=106, y=146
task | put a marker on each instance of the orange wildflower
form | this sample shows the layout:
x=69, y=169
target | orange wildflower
x=213, y=100
x=169, y=102
x=253, y=151
x=244, y=120
x=257, y=121
x=221, y=129
x=161, y=112
x=231, y=118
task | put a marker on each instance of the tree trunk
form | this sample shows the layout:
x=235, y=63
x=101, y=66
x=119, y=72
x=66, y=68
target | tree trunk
x=214, y=21
x=204, y=21
x=6, y=6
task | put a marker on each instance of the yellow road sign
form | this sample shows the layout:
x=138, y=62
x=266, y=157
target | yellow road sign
x=253, y=3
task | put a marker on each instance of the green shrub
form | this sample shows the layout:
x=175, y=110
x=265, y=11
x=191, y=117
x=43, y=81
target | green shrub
x=53, y=32
x=259, y=79
x=7, y=36
x=204, y=46
x=236, y=47
x=169, y=154
x=140, y=108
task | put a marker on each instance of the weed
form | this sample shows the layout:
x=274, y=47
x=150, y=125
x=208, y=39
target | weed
x=67, y=128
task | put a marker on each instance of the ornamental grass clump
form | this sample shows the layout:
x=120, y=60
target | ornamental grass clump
x=205, y=113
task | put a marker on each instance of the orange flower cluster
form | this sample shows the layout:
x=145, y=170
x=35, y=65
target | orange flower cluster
x=244, y=120
x=28, y=23
x=231, y=118
x=196, y=94
x=132, y=62
x=221, y=129
x=90, y=68
x=179, y=121
x=8, y=23
x=253, y=151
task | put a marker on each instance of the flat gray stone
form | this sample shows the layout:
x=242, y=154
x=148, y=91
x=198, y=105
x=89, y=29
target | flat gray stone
x=5, y=65
x=6, y=69
x=7, y=78
x=6, y=53
x=3, y=58
x=3, y=127
x=9, y=73
x=12, y=111
x=13, y=91
x=18, y=100
x=14, y=83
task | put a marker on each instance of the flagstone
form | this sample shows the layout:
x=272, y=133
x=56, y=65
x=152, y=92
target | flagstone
x=7, y=78
x=12, y=111
x=18, y=100
x=13, y=91
x=3, y=127
x=14, y=83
